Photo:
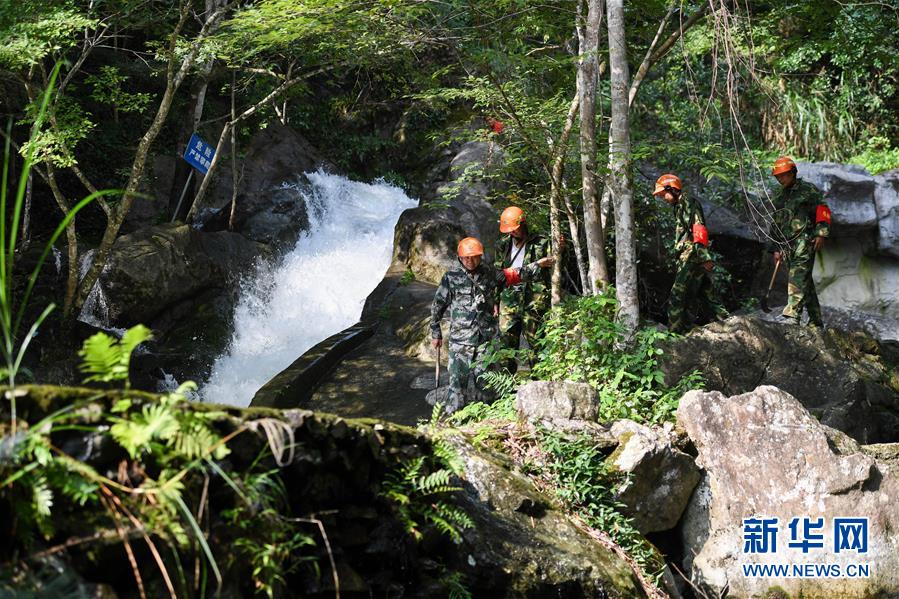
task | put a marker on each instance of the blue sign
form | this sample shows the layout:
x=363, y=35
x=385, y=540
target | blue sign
x=199, y=154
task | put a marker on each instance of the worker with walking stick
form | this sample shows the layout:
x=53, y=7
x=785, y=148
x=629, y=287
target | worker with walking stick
x=470, y=292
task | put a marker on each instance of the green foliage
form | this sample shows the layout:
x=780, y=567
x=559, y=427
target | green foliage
x=272, y=543
x=421, y=497
x=109, y=88
x=503, y=409
x=585, y=484
x=583, y=342
x=407, y=277
x=878, y=156
x=106, y=359
x=33, y=31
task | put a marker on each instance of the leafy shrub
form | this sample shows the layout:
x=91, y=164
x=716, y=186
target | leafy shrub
x=582, y=342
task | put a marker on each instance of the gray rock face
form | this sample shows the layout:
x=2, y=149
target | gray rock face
x=886, y=202
x=426, y=237
x=661, y=477
x=553, y=400
x=154, y=268
x=267, y=211
x=841, y=378
x=765, y=455
x=849, y=191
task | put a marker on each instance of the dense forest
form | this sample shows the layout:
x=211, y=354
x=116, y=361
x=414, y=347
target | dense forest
x=578, y=107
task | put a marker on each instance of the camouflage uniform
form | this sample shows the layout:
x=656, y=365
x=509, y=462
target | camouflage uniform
x=524, y=306
x=692, y=281
x=794, y=230
x=470, y=298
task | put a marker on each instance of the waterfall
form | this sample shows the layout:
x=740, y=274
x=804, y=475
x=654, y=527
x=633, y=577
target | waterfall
x=316, y=290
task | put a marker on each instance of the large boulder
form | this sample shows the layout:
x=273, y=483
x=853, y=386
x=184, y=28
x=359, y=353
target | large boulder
x=155, y=268
x=847, y=380
x=660, y=478
x=556, y=400
x=764, y=455
x=426, y=237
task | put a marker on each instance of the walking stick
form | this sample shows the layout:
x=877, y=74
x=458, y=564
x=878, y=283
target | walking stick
x=437, y=369
x=765, y=306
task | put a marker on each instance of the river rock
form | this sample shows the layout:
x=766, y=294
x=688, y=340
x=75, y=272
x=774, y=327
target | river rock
x=845, y=379
x=155, y=268
x=765, y=455
x=427, y=236
x=556, y=400
x=660, y=477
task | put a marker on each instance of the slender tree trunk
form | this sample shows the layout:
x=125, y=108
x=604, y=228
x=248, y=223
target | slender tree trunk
x=26, y=218
x=576, y=244
x=234, y=179
x=620, y=176
x=555, y=197
x=71, y=241
x=587, y=78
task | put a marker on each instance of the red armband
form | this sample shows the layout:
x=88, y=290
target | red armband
x=822, y=214
x=513, y=277
x=700, y=234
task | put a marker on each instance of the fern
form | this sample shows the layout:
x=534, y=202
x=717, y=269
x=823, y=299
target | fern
x=106, y=359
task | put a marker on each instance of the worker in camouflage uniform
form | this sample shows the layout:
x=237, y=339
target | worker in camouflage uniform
x=470, y=292
x=693, y=279
x=801, y=223
x=523, y=306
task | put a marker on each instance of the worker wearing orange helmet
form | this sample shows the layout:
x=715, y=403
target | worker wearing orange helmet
x=522, y=307
x=469, y=292
x=800, y=225
x=693, y=278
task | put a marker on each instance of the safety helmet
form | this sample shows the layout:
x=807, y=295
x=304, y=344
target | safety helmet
x=470, y=247
x=666, y=181
x=511, y=219
x=783, y=164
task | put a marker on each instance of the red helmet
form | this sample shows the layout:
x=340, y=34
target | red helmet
x=666, y=181
x=784, y=164
x=470, y=247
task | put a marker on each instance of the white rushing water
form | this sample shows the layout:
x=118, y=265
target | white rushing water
x=317, y=290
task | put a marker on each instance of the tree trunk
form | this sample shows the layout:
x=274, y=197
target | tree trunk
x=620, y=176
x=234, y=180
x=71, y=240
x=555, y=196
x=587, y=78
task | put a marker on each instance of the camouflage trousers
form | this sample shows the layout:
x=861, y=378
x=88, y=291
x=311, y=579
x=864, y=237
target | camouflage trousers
x=801, y=288
x=692, y=283
x=465, y=369
x=518, y=321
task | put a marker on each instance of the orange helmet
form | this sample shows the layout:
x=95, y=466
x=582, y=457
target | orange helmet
x=470, y=247
x=666, y=181
x=511, y=219
x=782, y=165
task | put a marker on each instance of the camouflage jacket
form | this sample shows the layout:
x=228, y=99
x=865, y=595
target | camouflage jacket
x=688, y=212
x=535, y=292
x=795, y=215
x=470, y=298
